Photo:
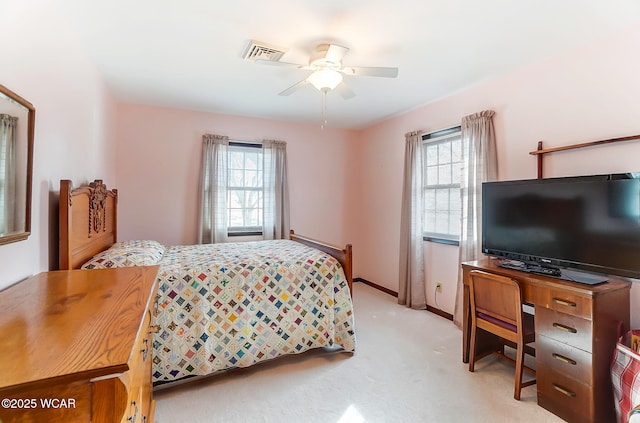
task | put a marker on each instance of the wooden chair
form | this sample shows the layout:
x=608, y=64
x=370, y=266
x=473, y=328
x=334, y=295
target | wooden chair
x=496, y=307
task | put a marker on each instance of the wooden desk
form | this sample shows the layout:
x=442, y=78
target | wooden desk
x=576, y=332
x=75, y=346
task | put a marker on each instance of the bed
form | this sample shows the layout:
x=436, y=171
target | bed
x=219, y=306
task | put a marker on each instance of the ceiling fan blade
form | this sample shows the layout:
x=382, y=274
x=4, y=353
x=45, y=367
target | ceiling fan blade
x=373, y=71
x=344, y=90
x=294, y=87
x=335, y=53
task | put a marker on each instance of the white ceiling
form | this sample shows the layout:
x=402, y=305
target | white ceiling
x=188, y=54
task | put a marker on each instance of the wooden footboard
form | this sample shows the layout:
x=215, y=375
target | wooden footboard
x=343, y=255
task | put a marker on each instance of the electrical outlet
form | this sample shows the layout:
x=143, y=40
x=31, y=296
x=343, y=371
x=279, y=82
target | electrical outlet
x=439, y=287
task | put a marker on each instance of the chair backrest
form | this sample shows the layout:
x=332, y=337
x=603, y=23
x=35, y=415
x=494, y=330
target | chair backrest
x=496, y=296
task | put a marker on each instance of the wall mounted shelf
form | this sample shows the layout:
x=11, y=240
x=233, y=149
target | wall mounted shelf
x=540, y=152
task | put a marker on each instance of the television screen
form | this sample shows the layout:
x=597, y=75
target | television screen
x=590, y=223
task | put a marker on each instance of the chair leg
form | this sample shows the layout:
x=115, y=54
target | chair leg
x=472, y=349
x=519, y=368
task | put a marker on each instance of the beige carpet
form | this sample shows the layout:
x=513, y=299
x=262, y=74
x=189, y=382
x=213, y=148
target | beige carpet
x=407, y=368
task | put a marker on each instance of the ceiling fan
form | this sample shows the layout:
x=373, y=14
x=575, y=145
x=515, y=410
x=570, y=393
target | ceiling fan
x=327, y=71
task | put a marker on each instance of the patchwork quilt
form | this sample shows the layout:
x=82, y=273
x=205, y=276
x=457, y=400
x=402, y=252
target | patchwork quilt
x=222, y=306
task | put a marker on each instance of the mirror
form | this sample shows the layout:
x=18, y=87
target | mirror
x=17, y=124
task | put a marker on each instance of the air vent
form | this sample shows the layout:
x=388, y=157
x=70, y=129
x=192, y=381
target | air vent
x=261, y=51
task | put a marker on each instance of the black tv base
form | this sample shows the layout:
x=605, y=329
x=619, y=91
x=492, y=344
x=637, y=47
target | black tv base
x=555, y=272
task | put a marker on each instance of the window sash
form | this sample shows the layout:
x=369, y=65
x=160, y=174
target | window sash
x=442, y=152
x=245, y=199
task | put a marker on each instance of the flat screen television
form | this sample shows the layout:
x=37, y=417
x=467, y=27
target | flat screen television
x=588, y=223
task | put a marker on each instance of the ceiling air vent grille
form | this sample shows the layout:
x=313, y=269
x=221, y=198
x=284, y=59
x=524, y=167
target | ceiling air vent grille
x=262, y=51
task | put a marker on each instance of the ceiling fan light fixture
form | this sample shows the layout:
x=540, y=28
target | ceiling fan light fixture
x=325, y=79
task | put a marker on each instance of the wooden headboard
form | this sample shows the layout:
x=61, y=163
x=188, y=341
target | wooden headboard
x=88, y=222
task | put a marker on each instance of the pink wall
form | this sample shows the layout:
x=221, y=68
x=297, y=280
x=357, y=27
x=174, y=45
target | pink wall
x=159, y=158
x=345, y=185
x=585, y=95
x=74, y=131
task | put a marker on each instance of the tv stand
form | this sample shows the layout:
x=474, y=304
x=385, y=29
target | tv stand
x=555, y=272
x=576, y=328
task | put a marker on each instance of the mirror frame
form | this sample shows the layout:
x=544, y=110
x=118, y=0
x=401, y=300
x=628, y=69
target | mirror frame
x=20, y=236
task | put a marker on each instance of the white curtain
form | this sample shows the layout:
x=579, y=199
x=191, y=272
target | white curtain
x=275, y=219
x=213, y=217
x=411, y=290
x=7, y=173
x=480, y=164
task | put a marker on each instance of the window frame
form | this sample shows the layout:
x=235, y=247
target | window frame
x=440, y=136
x=235, y=231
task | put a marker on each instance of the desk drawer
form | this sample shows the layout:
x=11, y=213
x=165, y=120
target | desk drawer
x=564, y=359
x=563, y=301
x=565, y=397
x=564, y=328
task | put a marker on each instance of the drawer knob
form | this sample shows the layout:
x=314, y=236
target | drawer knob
x=564, y=302
x=564, y=359
x=565, y=328
x=563, y=390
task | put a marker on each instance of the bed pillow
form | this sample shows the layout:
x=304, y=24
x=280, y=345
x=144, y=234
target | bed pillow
x=128, y=254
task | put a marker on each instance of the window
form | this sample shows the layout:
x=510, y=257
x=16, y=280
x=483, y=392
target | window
x=442, y=160
x=245, y=189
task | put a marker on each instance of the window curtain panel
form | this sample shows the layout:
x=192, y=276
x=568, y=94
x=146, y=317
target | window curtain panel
x=275, y=219
x=479, y=164
x=213, y=217
x=7, y=173
x=412, y=292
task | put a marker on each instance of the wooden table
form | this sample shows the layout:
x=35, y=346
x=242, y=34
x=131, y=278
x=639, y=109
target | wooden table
x=576, y=332
x=75, y=346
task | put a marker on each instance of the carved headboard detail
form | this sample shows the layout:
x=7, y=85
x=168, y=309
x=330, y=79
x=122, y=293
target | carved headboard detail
x=97, y=209
x=88, y=222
